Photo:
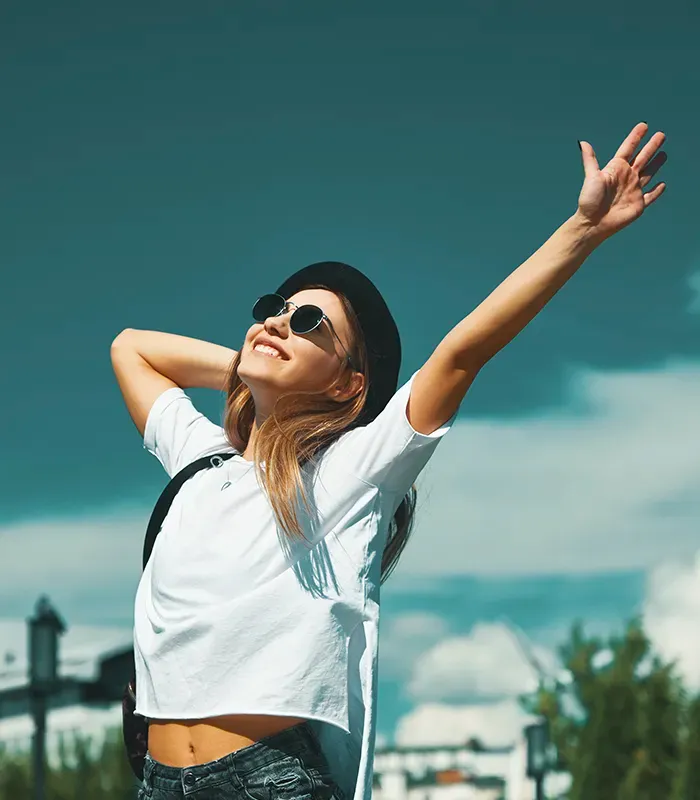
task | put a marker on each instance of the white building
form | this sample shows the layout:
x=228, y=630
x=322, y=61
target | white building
x=440, y=772
x=466, y=772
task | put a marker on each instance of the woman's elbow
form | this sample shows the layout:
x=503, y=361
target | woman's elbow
x=124, y=337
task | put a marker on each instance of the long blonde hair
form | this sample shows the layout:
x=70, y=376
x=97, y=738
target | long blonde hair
x=299, y=428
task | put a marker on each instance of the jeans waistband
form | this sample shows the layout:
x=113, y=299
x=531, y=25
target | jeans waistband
x=296, y=740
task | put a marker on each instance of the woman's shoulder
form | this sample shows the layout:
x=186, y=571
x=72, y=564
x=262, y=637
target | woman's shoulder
x=341, y=446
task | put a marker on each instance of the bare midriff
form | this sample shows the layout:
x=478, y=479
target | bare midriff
x=188, y=742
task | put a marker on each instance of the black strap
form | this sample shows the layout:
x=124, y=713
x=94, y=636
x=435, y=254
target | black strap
x=164, y=502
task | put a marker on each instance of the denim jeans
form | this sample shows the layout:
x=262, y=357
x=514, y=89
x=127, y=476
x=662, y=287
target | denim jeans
x=289, y=765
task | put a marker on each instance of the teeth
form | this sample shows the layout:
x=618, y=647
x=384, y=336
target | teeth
x=270, y=351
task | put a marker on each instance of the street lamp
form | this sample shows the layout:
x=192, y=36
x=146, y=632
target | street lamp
x=44, y=629
x=538, y=748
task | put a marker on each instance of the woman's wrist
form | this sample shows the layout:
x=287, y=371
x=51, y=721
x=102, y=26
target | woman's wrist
x=583, y=232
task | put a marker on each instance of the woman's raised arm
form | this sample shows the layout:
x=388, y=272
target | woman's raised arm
x=610, y=199
x=146, y=363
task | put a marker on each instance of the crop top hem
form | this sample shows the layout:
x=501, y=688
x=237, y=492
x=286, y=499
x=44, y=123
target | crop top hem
x=300, y=714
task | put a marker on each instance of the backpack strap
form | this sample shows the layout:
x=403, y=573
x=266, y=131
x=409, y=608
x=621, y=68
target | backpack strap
x=166, y=498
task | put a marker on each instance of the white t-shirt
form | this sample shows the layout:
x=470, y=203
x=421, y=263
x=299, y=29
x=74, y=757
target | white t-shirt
x=233, y=618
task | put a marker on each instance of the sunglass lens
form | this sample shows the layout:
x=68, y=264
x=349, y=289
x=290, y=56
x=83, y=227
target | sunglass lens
x=269, y=305
x=305, y=319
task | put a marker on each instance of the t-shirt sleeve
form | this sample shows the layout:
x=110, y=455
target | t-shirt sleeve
x=388, y=452
x=177, y=434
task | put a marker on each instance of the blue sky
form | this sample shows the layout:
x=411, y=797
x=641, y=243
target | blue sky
x=164, y=165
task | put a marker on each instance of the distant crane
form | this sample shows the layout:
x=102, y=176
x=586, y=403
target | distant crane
x=559, y=680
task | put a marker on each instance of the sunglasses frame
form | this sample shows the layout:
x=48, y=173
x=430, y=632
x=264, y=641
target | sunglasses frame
x=283, y=310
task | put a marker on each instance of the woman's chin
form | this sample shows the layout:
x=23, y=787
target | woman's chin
x=260, y=375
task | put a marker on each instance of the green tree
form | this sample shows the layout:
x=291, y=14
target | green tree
x=14, y=777
x=84, y=771
x=688, y=783
x=657, y=760
x=617, y=726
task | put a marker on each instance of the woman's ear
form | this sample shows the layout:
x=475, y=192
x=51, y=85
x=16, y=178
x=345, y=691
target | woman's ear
x=346, y=390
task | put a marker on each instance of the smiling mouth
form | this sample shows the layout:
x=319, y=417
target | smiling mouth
x=266, y=350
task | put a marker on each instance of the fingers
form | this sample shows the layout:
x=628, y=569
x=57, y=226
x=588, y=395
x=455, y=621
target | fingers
x=652, y=168
x=590, y=162
x=648, y=152
x=654, y=194
x=631, y=143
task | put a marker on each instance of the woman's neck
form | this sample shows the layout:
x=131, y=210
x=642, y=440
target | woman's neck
x=254, y=431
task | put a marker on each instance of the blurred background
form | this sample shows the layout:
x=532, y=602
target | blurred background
x=163, y=165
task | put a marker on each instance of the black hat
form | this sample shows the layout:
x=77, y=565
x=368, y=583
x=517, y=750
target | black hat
x=378, y=327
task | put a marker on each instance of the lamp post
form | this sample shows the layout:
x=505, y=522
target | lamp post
x=44, y=629
x=537, y=736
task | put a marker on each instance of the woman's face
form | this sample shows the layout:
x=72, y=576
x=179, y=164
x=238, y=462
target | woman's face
x=275, y=360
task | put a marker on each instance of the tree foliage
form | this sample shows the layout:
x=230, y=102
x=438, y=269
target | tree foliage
x=688, y=778
x=624, y=727
x=84, y=771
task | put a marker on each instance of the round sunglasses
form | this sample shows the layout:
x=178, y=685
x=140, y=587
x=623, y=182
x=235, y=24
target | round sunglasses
x=304, y=319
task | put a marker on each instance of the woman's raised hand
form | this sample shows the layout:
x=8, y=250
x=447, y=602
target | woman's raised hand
x=614, y=197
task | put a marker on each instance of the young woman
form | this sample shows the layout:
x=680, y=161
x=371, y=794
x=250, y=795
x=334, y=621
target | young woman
x=256, y=617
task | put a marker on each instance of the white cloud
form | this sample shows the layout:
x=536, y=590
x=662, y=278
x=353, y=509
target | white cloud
x=89, y=566
x=616, y=487
x=495, y=725
x=671, y=613
x=404, y=638
x=485, y=665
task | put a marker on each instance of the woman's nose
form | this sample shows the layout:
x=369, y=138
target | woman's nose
x=278, y=325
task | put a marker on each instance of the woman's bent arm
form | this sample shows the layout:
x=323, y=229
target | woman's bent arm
x=146, y=363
